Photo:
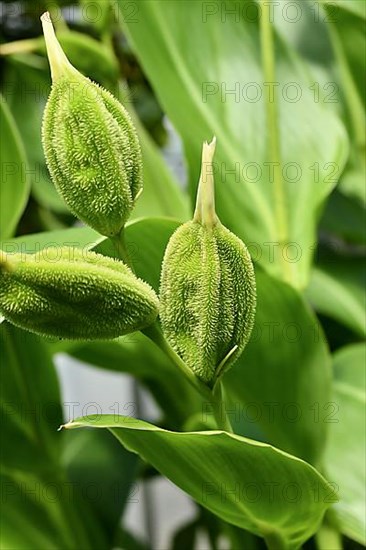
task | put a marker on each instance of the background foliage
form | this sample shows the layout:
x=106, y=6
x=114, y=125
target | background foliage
x=290, y=174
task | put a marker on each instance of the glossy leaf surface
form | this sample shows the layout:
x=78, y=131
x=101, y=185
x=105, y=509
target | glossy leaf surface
x=208, y=465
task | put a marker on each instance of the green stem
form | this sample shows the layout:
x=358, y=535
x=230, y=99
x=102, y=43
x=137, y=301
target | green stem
x=120, y=245
x=154, y=333
x=219, y=410
x=215, y=398
x=268, y=62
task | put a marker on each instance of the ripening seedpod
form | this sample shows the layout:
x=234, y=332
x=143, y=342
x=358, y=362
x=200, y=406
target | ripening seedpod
x=90, y=144
x=207, y=292
x=74, y=294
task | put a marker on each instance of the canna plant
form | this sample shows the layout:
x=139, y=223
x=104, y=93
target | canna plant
x=189, y=299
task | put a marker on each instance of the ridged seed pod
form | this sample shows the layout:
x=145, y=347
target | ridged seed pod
x=74, y=294
x=90, y=144
x=207, y=292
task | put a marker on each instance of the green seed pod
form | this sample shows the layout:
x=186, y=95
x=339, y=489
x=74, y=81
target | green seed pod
x=207, y=292
x=90, y=144
x=74, y=294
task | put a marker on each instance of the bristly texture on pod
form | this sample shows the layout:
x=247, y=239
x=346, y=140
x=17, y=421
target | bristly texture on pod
x=90, y=144
x=207, y=292
x=74, y=294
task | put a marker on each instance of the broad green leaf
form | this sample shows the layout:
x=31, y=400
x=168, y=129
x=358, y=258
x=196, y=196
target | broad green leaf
x=310, y=22
x=231, y=476
x=35, y=491
x=345, y=457
x=14, y=181
x=337, y=290
x=282, y=380
x=206, y=91
x=79, y=237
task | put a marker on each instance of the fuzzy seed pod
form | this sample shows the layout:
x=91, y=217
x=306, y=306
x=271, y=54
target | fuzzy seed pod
x=90, y=144
x=74, y=294
x=207, y=292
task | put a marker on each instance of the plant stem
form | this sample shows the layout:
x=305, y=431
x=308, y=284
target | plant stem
x=119, y=242
x=268, y=62
x=154, y=333
x=218, y=404
x=214, y=397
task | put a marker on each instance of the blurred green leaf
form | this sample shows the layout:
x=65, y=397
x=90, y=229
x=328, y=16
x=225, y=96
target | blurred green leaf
x=14, y=181
x=337, y=290
x=78, y=237
x=201, y=463
x=161, y=195
x=345, y=457
x=346, y=20
x=346, y=24
x=344, y=218
x=352, y=183
x=36, y=495
x=98, y=13
x=208, y=93
x=282, y=380
x=354, y=6
x=104, y=476
x=27, y=89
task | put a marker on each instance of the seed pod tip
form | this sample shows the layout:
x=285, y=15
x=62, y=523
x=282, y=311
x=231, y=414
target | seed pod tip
x=57, y=58
x=205, y=205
